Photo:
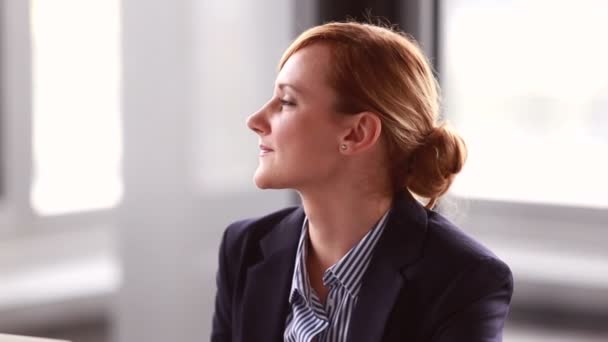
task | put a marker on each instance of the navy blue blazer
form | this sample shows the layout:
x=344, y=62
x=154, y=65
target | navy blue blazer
x=427, y=281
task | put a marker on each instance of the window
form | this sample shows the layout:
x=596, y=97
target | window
x=526, y=84
x=76, y=127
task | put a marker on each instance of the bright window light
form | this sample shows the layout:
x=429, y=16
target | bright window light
x=526, y=84
x=77, y=139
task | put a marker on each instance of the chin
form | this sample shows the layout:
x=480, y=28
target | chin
x=267, y=180
x=262, y=184
x=263, y=181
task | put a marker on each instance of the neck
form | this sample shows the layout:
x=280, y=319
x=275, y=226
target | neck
x=339, y=221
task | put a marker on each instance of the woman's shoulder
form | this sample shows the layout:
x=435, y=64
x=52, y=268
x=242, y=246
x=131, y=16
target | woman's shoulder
x=456, y=269
x=453, y=236
x=451, y=245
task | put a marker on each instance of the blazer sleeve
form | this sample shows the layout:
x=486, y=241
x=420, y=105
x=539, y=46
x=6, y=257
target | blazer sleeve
x=221, y=330
x=481, y=298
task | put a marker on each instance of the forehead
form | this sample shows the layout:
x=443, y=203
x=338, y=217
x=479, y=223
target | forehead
x=307, y=69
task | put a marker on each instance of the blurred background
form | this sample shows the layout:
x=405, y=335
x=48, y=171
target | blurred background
x=124, y=153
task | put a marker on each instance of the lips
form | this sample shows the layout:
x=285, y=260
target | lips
x=265, y=148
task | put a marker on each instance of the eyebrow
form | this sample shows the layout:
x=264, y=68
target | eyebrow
x=287, y=85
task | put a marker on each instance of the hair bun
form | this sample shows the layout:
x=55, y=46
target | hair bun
x=434, y=164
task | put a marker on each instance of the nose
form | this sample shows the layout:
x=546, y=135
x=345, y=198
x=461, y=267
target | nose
x=258, y=121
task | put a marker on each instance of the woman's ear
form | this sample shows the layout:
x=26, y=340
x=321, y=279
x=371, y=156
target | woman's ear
x=363, y=131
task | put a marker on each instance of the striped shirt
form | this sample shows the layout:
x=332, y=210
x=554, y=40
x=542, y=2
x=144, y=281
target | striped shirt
x=308, y=317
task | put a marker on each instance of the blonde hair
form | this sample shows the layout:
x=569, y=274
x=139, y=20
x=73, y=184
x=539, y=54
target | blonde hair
x=382, y=70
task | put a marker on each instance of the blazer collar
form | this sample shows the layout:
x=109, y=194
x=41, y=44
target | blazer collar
x=400, y=246
x=285, y=236
x=266, y=293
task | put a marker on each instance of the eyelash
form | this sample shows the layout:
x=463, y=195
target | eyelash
x=286, y=103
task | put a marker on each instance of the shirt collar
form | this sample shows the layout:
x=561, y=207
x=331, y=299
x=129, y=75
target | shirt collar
x=347, y=272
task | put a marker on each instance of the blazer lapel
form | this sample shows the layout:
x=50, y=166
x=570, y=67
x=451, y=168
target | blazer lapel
x=266, y=293
x=400, y=246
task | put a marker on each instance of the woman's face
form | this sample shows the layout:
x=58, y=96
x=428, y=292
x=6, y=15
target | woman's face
x=299, y=131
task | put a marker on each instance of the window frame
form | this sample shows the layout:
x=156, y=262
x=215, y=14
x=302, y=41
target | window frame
x=30, y=243
x=17, y=217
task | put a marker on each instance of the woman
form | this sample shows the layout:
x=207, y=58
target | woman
x=352, y=127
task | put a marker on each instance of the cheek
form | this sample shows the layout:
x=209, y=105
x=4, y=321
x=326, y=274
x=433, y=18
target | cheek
x=311, y=142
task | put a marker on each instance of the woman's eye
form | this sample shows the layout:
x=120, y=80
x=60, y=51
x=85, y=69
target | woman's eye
x=287, y=103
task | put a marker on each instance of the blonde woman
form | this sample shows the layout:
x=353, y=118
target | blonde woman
x=353, y=128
